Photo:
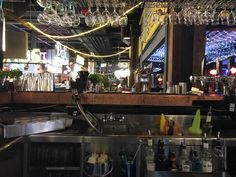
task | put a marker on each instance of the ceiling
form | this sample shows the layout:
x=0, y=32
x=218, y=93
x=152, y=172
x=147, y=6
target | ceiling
x=104, y=41
x=220, y=44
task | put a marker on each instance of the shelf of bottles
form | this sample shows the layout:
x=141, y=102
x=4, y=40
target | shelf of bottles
x=162, y=156
x=222, y=85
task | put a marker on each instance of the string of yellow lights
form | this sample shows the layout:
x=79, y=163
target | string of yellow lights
x=53, y=37
x=83, y=33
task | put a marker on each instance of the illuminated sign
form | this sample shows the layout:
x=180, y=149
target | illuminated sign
x=61, y=51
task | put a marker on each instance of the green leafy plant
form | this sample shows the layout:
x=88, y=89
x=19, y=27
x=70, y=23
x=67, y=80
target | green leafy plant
x=95, y=78
x=15, y=73
x=105, y=80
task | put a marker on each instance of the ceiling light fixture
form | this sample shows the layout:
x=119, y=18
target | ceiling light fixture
x=81, y=34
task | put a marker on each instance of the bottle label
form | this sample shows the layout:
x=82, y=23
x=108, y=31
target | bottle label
x=149, y=142
x=208, y=119
x=205, y=145
x=151, y=166
x=207, y=166
x=186, y=167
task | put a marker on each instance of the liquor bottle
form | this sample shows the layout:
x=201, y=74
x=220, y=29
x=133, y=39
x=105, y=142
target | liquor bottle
x=185, y=163
x=150, y=156
x=172, y=161
x=206, y=158
x=207, y=127
x=196, y=161
x=218, y=151
x=161, y=162
x=171, y=127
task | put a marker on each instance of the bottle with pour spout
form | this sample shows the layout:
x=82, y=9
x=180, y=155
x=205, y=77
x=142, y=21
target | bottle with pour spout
x=207, y=127
x=206, y=157
x=150, y=154
x=185, y=163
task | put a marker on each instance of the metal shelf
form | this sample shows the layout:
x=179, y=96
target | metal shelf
x=50, y=168
x=180, y=174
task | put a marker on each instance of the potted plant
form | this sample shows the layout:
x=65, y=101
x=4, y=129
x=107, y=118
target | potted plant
x=96, y=80
x=9, y=78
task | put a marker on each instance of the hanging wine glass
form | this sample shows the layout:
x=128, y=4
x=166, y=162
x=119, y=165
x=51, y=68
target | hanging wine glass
x=40, y=18
x=224, y=15
x=66, y=21
x=114, y=18
x=231, y=18
x=97, y=16
x=180, y=17
x=75, y=18
x=55, y=18
x=89, y=18
x=106, y=16
x=215, y=19
x=123, y=20
x=48, y=13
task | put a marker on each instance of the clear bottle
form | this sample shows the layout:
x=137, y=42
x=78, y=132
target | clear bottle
x=207, y=127
x=185, y=163
x=150, y=156
x=206, y=158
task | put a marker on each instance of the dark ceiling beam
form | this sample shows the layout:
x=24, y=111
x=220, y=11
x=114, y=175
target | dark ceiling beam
x=85, y=41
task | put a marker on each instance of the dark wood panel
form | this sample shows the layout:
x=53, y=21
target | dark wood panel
x=199, y=49
x=42, y=97
x=5, y=98
x=144, y=99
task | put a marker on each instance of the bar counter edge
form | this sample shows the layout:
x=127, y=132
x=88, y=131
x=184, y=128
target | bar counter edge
x=149, y=99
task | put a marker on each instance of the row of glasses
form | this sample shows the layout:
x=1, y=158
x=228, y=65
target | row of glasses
x=61, y=14
x=98, y=18
x=64, y=14
x=194, y=12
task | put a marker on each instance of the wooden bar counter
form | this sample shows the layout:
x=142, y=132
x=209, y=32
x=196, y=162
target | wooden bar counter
x=65, y=98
